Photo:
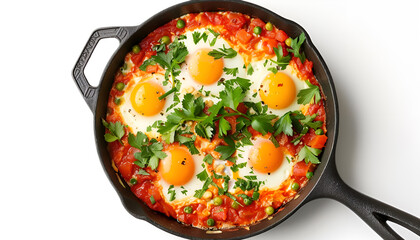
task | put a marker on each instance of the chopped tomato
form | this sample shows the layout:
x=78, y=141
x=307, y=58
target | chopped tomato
x=243, y=36
x=236, y=21
x=126, y=164
x=152, y=68
x=232, y=215
x=281, y=36
x=214, y=18
x=219, y=213
x=242, y=108
x=269, y=34
x=137, y=58
x=300, y=169
x=126, y=170
x=269, y=44
x=318, y=141
x=256, y=22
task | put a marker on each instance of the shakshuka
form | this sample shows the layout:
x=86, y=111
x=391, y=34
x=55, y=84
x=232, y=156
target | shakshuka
x=216, y=119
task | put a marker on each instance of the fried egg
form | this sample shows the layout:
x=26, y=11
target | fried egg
x=276, y=90
x=202, y=71
x=271, y=165
x=178, y=174
x=140, y=105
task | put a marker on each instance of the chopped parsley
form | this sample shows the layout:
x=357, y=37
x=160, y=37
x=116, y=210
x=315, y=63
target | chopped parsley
x=310, y=94
x=198, y=36
x=215, y=34
x=231, y=71
x=295, y=45
x=116, y=131
x=223, y=53
x=208, y=159
x=150, y=151
x=309, y=155
x=170, y=61
x=249, y=70
x=171, y=192
x=282, y=61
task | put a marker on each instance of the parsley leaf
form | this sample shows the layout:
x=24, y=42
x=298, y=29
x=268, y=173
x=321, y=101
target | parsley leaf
x=235, y=167
x=273, y=70
x=198, y=36
x=199, y=193
x=208, y=159
x=309, y=121
x=171, y=192
x=295, y=45
x=215, y=34
x=224, y=126
x=203, y=175
x=262, y=123
x=192, y=110
x=150, y=151
x=282, y=61
x=184, y=191
x=226, y=151
x=205, y=131
x=159, y=47
x=116, y=131
x=284, y=124
x=249, y=70
x=223, y=52
x=306, y=95
x=231, y=97
x=309, y=155
x=246, y=185
x=241, y=82
x=231, y=71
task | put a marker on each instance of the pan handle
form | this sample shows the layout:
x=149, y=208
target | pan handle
x=373, y=212
x=89, y=92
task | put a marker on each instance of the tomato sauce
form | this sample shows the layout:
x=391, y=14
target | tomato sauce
x=237, y=29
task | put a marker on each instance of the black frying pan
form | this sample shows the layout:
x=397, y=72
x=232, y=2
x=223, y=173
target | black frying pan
x=326, y=183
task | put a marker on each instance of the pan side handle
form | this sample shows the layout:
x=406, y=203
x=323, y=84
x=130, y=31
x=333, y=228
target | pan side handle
x=89, y=92
x=373, y=212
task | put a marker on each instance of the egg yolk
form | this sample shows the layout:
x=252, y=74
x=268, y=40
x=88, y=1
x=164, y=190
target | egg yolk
x=278, y=90
x=265, y=157
x=145, y=98
x=178, y=167
x=203, y=68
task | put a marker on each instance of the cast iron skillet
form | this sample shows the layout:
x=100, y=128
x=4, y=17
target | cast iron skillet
x=326, y=183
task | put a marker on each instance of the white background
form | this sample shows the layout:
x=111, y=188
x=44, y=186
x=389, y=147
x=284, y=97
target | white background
x=52, y=183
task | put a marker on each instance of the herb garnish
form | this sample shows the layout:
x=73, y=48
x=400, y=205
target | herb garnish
x=231, y=71
x=307, y=95
x=116, y=131
x=223, y=52
x=198, y=36
x=170, y=62
x=295, y=45
x=150, y=150
x=215, y=34
x=309, y=155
